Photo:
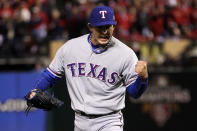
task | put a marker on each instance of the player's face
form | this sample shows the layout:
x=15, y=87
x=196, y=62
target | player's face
x=101, y=35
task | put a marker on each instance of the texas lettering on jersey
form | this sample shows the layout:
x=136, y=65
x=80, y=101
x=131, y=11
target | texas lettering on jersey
x=94, y=71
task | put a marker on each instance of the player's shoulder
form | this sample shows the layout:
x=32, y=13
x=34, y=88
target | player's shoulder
x=78, y=40
x=119, y=45
x=74, y=42
x=127, y=54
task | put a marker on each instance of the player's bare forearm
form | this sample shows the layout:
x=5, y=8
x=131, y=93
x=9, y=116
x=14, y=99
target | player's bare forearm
x=141, y=69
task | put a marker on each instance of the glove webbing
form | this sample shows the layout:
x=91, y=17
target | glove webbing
x=28, y=109
x=47, y=100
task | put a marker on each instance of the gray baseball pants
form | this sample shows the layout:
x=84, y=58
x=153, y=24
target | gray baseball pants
x=113, y=122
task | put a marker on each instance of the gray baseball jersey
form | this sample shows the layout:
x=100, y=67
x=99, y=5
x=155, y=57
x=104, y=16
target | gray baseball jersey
x=96, y=82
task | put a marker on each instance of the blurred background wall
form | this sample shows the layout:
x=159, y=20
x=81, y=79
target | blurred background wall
x=162, y=32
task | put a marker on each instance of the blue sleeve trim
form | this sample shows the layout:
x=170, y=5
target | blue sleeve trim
x=137, y=88
x=45, y=80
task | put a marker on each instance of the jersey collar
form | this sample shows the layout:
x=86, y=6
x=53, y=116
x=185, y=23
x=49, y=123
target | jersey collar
x=96, y=48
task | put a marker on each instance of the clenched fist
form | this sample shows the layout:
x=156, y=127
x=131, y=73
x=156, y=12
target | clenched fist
x=141, y=69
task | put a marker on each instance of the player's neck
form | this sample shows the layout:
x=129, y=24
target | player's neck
x=96, y=48
x=95, y=42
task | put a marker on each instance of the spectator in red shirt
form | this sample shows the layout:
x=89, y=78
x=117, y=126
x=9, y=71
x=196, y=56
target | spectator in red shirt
x=156, y=22
x=39, y=23
x=181, y=13
x=6, y=12
x=124, y=22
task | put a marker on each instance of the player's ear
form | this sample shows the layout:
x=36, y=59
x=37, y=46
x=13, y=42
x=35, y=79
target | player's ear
x=89, y=26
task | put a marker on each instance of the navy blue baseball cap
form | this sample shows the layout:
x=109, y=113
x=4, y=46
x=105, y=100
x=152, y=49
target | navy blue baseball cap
x=102, y=15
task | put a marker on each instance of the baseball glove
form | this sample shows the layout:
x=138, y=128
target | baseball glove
x=42, y=100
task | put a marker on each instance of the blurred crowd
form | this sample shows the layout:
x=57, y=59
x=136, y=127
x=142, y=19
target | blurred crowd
x=28, y=26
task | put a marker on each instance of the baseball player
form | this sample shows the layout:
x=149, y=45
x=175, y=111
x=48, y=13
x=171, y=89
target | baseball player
x=99, y=69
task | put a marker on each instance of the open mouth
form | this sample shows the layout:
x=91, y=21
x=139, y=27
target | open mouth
x=103, y=39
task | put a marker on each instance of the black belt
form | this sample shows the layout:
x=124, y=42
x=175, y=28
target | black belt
x=92, y=116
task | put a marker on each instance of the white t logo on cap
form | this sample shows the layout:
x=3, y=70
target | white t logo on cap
x=103, y=12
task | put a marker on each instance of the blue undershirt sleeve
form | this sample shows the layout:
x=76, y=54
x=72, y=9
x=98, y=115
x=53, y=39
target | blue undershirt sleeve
x=137, y=88
x=45, y=80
